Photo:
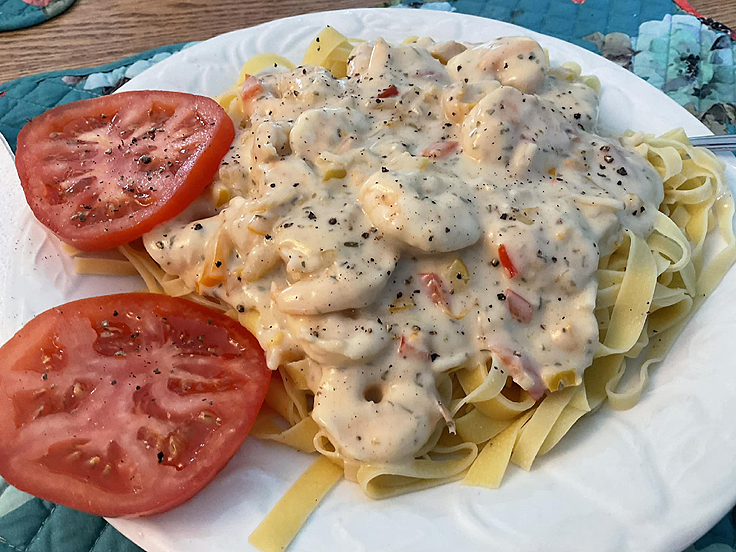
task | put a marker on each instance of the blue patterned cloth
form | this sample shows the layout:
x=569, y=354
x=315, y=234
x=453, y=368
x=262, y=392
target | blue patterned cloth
x=17, y=14
x=690, y=61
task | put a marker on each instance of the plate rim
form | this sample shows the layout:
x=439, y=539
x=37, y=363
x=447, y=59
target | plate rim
x=331, y=13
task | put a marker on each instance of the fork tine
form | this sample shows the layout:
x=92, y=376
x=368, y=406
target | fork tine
x=725, y=142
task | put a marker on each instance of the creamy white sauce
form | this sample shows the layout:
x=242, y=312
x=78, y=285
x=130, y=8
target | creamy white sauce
x=339, y=222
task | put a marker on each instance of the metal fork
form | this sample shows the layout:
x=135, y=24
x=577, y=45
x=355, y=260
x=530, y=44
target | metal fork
x=725, y=142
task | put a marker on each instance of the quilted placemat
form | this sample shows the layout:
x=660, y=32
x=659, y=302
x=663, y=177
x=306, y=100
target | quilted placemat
x=19, y=14
x=690, y=57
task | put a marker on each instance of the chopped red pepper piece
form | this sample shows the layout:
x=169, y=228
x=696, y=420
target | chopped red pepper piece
x=389, y=92
x=252, y=87
x=508, y=265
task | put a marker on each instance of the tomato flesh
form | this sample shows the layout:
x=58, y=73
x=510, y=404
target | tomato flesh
x=100, y=173
x=126, y=404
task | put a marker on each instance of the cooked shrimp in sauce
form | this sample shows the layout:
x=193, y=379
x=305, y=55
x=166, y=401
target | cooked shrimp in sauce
x=439, y=205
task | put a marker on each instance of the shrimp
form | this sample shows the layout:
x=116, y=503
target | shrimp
x=334, y=259
x=512, y=60
x=338, y=338
x=419, y=212
x=517, y=131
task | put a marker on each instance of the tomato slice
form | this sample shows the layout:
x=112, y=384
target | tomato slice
x=126, y=404
x=100, y=173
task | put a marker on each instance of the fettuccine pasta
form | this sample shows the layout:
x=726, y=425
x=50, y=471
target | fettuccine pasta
x=481, y=319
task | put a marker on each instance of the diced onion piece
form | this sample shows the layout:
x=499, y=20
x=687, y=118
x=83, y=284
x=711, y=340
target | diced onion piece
x=457, y=275
x=219, y=194
x=520, y=308
x=250, y=319
x=592, y=82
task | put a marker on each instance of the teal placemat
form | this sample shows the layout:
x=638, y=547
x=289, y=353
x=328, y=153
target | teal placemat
x=18, y=14
x=24, y=98
x=691, y=59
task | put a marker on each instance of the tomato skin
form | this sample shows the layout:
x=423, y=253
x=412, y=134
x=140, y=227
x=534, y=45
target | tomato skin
x=147, y=401
x=98, y=173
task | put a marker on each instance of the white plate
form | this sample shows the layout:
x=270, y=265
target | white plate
x=651, y=479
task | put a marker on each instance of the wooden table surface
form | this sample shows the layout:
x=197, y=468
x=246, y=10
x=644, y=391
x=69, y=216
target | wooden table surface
x=89, y=34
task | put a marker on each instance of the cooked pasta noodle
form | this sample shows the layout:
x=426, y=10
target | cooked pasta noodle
x=648, y=286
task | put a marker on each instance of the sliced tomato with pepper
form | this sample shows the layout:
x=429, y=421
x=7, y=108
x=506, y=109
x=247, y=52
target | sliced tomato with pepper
x=100, y=173
x=126, y=404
